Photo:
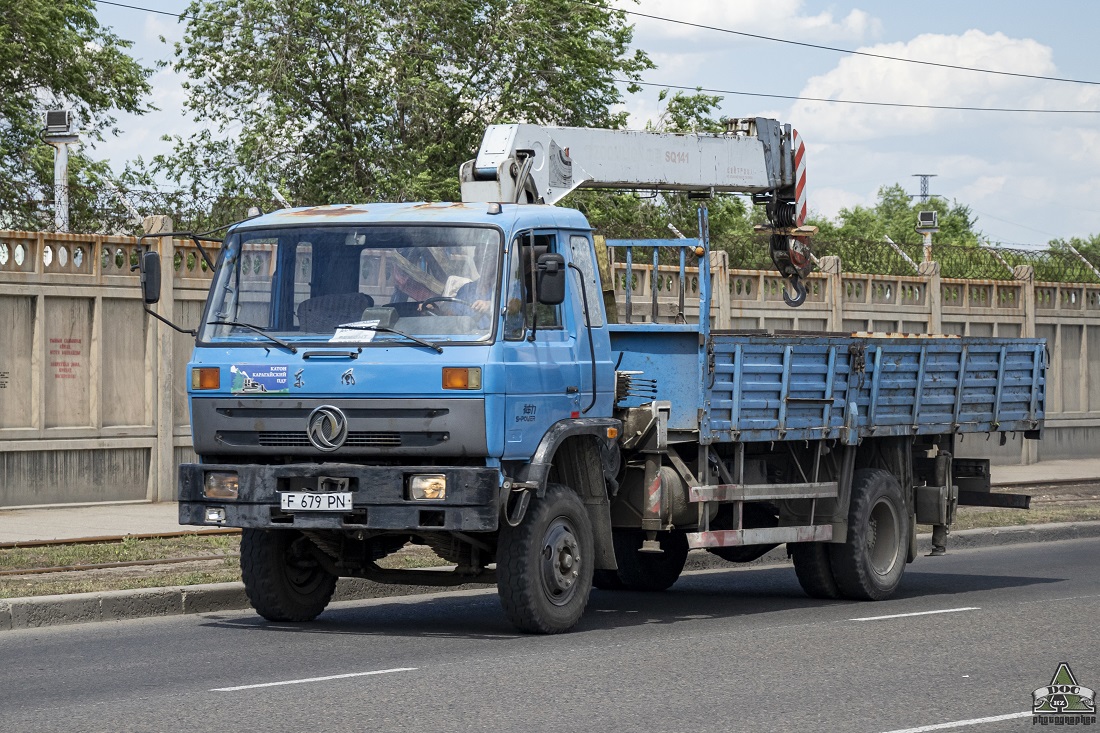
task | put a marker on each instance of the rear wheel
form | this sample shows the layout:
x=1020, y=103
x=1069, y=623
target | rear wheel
x=282, y=578
x=544, y=566
x=607, y=580
x=649, y=571
x=869, y=565
x=815, y=574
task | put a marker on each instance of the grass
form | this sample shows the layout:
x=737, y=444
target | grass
x=976, y=517
x=130, y=549
x=227, y=569
x=216, y=570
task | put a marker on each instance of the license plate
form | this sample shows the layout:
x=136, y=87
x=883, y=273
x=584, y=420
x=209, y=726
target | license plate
x=311, y=501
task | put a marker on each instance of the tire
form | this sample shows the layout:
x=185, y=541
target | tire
x=647, y=571
x=282, y=579
x=544, y=566
x=814, y=571
x=870, y=563
x=607, y=580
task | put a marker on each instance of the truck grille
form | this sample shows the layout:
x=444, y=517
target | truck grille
x=301, y=440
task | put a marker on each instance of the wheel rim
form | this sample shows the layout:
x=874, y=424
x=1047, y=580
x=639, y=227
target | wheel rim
x=884, y=531
x=560, y=562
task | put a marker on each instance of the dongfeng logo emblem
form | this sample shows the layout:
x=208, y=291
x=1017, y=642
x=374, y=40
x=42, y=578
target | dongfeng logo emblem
x=328, y=428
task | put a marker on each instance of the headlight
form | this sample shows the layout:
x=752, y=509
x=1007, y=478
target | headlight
x=220, y=485
x=428, y=487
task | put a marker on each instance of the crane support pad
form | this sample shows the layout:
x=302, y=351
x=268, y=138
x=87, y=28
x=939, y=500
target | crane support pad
x=986, y=498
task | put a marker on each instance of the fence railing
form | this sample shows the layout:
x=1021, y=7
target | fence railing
x=92, y=392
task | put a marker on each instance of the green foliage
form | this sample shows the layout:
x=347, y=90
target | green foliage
x=367, y=100
x=894, y=215
x=1089, y=247
x=54, y=54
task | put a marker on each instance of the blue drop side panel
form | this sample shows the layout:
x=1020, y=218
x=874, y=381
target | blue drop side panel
x=765, y=388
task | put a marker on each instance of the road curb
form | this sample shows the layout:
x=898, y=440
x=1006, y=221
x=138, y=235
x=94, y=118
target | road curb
x=41, y=611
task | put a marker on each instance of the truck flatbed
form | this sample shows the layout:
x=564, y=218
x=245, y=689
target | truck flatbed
x=732, y=386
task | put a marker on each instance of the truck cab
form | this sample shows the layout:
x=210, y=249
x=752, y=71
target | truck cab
x=379, y=373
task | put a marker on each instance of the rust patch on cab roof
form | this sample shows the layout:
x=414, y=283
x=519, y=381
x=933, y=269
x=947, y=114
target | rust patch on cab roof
x=332, y=211
x=441, y=205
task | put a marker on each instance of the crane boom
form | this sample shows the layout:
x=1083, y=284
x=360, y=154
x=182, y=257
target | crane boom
x=758, y=156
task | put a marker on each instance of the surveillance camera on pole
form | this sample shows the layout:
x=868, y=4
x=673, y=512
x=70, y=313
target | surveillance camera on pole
x=60, y=132
x=927, y=225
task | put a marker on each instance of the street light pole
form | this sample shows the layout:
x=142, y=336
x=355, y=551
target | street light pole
x=60, y=135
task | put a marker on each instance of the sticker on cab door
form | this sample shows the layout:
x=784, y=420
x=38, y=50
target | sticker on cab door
x=259, y=379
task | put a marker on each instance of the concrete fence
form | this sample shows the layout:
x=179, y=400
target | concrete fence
x=93, y=394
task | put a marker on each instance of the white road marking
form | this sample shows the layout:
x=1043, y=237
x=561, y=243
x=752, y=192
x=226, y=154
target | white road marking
x=314, y=679
x=962, y=723
x=918, y=613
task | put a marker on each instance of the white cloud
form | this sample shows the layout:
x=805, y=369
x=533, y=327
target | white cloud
x=882, y=80
x=786, y=18
x=1028, y=177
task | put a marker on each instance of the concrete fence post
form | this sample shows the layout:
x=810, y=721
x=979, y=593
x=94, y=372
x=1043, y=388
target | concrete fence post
x=1025, y=274
x=720, y=288
x=930, y=271
x=832, y=268
x=162, y=472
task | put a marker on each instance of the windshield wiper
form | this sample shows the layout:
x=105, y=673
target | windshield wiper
x=258, y=330
x=387, y=329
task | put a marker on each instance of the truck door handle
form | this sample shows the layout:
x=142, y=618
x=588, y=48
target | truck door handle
x=572, y=390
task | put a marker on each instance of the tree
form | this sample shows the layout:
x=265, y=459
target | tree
x=54, y=53
x=366, y=100
x=1089, y=246
x=894, y=215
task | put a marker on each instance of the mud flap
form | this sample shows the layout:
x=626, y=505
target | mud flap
x=599, y=512
x=912, y=554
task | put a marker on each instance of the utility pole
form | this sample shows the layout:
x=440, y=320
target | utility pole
x=60, y=134
x=924, y=195
x=927, y=224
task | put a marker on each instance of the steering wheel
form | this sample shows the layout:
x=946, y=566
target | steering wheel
x=423, y=306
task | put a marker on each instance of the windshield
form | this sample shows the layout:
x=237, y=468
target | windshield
x=356, y=285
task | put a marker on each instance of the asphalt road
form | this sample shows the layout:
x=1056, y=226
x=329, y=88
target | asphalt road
x=728, y=650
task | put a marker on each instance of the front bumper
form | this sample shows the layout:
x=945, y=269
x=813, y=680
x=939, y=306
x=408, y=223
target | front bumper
x=378, y=498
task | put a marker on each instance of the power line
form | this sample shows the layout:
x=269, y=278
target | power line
x=714, y=91
x=861, y=102
x=804, y=44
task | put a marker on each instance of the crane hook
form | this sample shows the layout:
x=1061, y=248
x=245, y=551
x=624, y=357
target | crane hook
x=800, y=292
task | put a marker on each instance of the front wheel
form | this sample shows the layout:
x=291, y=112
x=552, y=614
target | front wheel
x=282, y=578
x=544, y=566
x=870, y=563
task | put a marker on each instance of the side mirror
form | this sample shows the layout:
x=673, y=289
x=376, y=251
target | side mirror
x=150, y=277
x=551, y=279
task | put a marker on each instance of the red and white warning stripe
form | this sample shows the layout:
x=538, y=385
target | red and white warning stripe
x=800, y=205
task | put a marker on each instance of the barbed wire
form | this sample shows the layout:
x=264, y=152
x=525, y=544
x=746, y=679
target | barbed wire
x=102, y=211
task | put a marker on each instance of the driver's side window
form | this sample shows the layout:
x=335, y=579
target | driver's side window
x=522, y=310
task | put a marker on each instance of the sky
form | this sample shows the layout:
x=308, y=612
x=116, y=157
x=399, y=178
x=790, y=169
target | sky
x=1028, y=177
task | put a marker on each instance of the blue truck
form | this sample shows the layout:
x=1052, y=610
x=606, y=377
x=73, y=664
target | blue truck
x=447, y=374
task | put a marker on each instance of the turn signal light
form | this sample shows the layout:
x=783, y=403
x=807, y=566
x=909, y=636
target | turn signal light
x=461, y=378
x=206, y=378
